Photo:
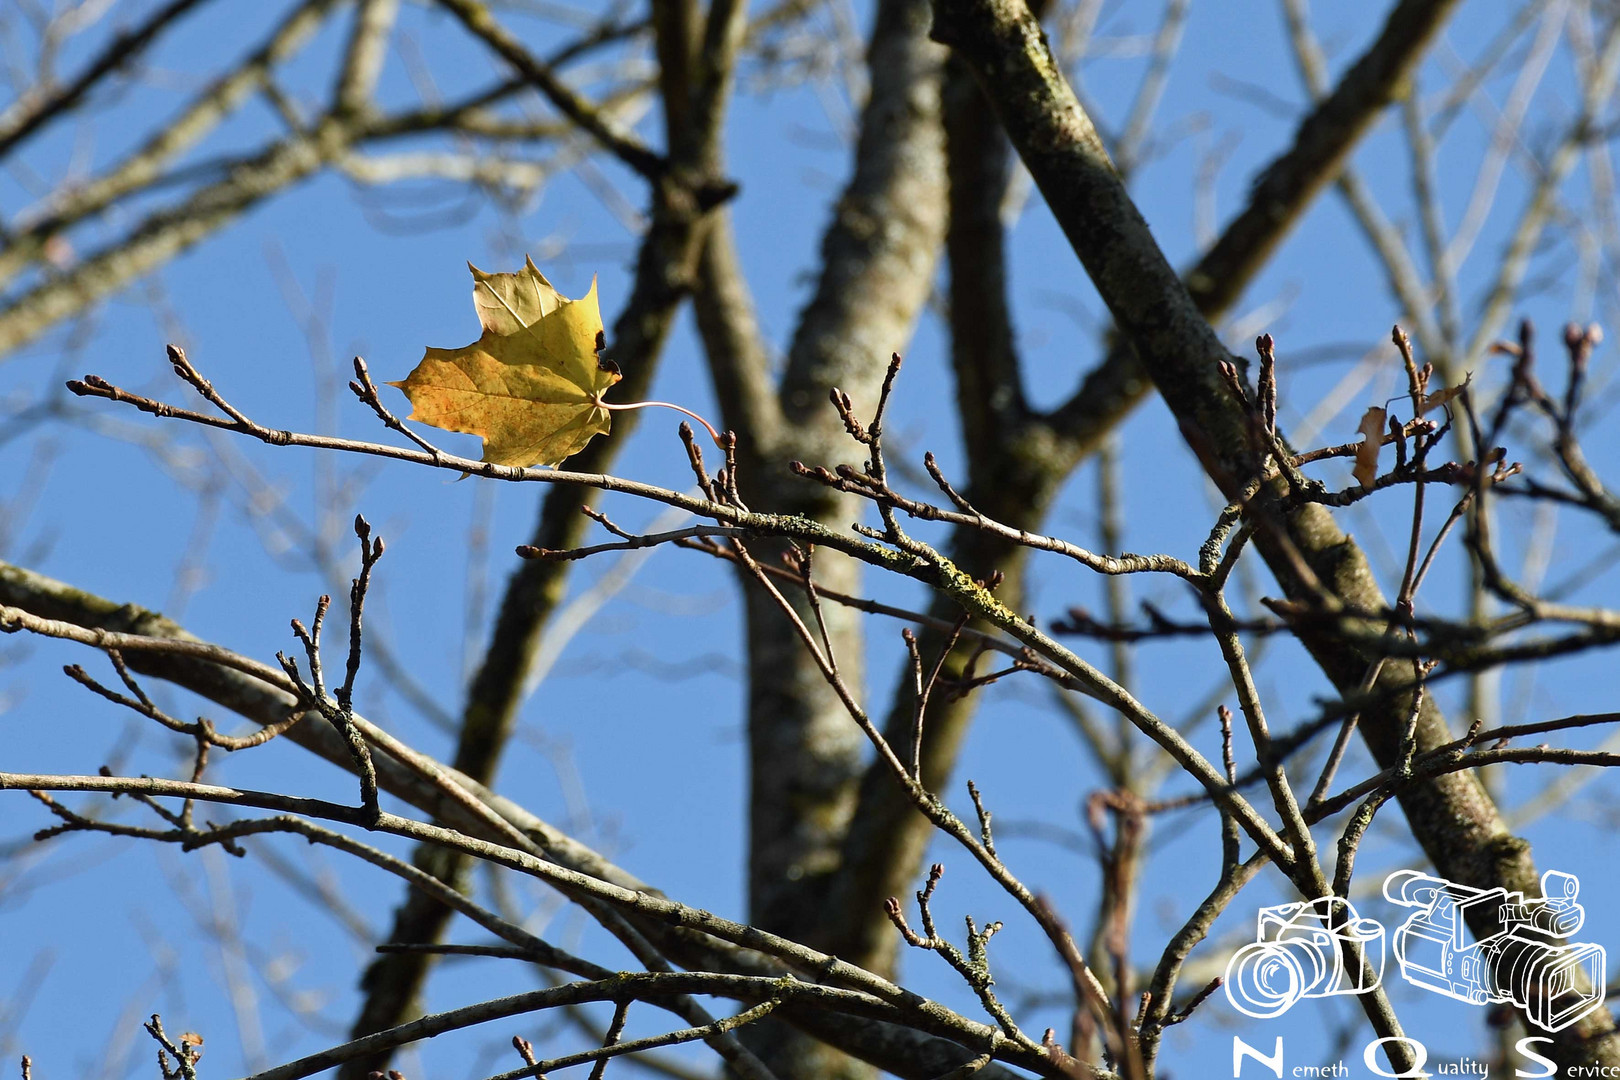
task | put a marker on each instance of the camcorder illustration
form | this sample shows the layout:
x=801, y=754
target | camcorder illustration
x=1526, y=962
x=1299, y=952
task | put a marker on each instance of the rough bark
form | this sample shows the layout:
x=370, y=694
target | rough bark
x=1279, y=197
x=665, y=266
x=904, y=1052
x=1017, y=460
x=1451, y=816
x=393, y=982
x=1015, y=464
x=876, y=270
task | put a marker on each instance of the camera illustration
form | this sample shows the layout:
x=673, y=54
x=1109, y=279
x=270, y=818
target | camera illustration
x=1299, y=952
x=1525, y=962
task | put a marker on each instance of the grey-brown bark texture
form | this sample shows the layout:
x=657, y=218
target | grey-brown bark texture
x=830, y=836
x=1452, y=816
x=392, y=983
x=904, y=1052
x=1015, y=465
x=1018, y=460
x=665, y=267
x=876, y=270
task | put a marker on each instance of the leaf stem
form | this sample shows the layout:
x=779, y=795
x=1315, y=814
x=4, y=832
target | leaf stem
x=618, y=407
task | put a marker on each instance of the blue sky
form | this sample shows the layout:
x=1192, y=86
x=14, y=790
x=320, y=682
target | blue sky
x=634, y=739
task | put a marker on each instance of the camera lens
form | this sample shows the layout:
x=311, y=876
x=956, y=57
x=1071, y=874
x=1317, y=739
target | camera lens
x=1265, y=978
x=1555, y=984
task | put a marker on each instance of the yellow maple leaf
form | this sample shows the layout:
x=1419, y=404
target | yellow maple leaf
x=508, y=302
x=531, y=386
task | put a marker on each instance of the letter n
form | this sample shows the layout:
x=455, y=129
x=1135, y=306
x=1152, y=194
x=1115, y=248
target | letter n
x=1241, y=1050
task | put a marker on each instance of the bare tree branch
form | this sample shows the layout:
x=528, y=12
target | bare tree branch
x=1452, y=817
x=29, y=113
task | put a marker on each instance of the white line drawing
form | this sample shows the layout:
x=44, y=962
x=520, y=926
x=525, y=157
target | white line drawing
x=1299, y=952
x=1522, y=963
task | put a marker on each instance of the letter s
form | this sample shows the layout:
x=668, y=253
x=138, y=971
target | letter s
x=1523, y=1046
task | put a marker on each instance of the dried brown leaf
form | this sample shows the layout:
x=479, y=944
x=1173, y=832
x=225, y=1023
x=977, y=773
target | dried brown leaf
x=1372, y=438
x=1441, y=396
